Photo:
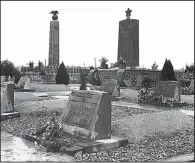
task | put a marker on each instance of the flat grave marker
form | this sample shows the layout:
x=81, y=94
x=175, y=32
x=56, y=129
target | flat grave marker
x=168, y=89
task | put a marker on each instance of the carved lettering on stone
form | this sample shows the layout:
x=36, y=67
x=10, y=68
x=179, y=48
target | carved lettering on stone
x=80, y=113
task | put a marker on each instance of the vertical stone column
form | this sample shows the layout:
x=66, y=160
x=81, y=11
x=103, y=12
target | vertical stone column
x=54, y=41
x=128, y=41
x=10, y=93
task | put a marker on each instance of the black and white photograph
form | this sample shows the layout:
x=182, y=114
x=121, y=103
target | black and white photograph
x=97, y=81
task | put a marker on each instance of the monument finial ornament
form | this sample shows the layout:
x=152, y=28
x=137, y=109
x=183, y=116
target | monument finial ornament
x=128, y=13
x=55, y=16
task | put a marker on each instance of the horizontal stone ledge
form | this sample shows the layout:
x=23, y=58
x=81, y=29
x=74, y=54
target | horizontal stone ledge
x=10, y=115
x=94, y=146
x=186, y=158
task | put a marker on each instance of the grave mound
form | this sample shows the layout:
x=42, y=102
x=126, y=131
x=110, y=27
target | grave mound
x=138, y=127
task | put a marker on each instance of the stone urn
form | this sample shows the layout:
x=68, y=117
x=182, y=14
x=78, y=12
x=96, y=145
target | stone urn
x=55, y=17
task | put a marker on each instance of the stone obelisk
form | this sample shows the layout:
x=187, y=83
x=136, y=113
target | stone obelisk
x=54, y=40
x=128, y=41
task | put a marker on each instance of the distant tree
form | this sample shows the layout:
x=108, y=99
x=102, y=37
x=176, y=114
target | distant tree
x=17, y=76
x=167, y=72
x=189, y=69
x=112, y=65
x=83, y=79
x=31, y=64
x=40, y=64
x=62, y=76
x=7, y=68
x=154, y=66
x=103, y=63
x=91, y=67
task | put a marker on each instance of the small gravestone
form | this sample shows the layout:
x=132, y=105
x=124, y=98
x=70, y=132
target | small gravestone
x=192, y=84
x=111, y=86
x=7, y=102
x=88, y=115
x=169, y=89
x=21, y=83
x=27, y=84
x=87, y=119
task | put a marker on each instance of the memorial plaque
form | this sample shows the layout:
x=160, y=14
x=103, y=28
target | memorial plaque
x=107, y=74
x=168, y=89
x=80, y=113
x=87, y=115
x=112, y=87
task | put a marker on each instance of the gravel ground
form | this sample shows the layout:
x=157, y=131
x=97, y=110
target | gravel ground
x=20, y=97
x=137, y=127
x=37, y=111
x=119, y=112
x=159, y=147
x=50, y=87
x=36, y=106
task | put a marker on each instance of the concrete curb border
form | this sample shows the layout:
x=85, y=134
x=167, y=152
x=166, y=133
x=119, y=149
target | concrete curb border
x=186, y=158
x=11, y=115
x=88, y=148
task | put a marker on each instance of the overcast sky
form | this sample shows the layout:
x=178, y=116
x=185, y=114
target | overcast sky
x=89, y=30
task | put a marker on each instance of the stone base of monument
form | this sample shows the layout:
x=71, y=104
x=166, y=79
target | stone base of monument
x=117, y=98
x=28, y=90
x=10, y=115
x=24, y=90
x=185, y=158
x=86, y=147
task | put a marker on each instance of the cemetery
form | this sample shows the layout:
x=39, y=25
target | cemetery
x=121, y=114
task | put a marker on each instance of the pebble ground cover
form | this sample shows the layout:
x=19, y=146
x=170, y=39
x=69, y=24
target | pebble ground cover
x=35, y=113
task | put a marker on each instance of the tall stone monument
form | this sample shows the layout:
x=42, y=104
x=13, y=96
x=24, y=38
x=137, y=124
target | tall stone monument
x=128, y=41
x=54, y=40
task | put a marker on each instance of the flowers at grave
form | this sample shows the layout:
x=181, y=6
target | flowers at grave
x=52, y=136
x=121, y=63
x=148, y=95
x=187, y=91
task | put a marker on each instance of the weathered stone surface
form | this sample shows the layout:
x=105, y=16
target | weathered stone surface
x=111, y=86
x=87, y=115
x=27, y=84
x=54, y=44
x=10, y=92
x=106, y=74
x=93, y=77
x=128, y=41
x=7, y=98
x=168, y=89
x=192, y=84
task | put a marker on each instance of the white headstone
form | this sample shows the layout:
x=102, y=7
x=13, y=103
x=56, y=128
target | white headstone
x=27, y=84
